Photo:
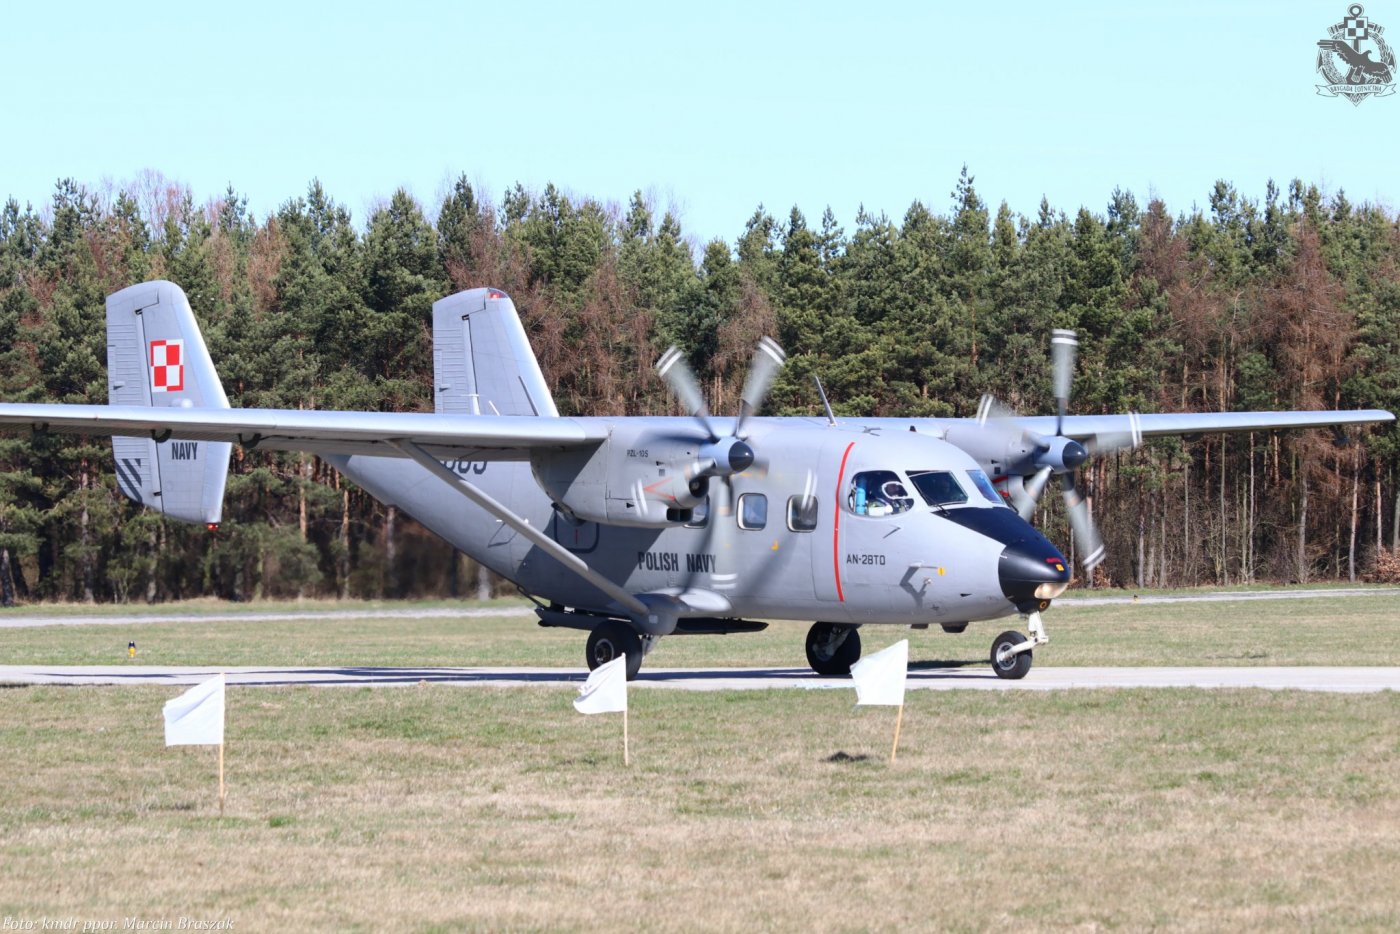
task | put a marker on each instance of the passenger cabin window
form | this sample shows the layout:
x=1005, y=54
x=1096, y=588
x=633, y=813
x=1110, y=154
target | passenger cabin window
x=802, y=513
x=753, y=511
x=878, y=493
x=700, y=515
x=984, y=486
x=938, y=487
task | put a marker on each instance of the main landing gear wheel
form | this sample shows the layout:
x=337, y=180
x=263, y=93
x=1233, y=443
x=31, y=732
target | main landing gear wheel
x=1005, y=664
x=610, y=639
x=832, y=649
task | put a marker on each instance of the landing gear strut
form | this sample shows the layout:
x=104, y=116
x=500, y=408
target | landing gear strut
x=612, y=638
x=832, y=649
x=1011, y=651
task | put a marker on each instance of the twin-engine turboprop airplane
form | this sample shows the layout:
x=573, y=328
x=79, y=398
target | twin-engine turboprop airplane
x=638, y=528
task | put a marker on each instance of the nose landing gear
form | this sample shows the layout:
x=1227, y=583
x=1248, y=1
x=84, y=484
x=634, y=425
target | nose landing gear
x=1011, y=651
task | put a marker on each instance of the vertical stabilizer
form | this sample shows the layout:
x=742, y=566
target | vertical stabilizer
x=156, y=357
x=482, y=361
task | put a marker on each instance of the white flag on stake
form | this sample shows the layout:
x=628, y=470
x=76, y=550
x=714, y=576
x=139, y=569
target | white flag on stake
x=196, y=717
x=879, y=678
x=605, y=691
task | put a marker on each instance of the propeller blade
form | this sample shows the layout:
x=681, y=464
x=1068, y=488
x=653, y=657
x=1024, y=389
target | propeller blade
x=1107, y=443
x=1062, y=350
x=994, y=410
x=1031, y=490
x=1086, y=536
x=703, y=468
x=719, y=535
x=676, y=372
x=768, y=359
x=1110, y=441
x=1020, y=500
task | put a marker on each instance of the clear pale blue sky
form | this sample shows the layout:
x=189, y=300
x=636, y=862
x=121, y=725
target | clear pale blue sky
x=710, y=108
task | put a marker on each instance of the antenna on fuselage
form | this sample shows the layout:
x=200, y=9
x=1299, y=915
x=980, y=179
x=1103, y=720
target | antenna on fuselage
x=830, y=415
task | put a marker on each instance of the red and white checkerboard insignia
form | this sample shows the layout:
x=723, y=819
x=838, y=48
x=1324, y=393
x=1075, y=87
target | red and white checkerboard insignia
x=168, y=366
x=1355, y=27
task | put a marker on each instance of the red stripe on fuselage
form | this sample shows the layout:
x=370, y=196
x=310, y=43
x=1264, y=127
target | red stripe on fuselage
x=836, y=528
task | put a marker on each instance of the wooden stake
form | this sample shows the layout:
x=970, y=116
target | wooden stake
x=898, y=720
x=626, y=755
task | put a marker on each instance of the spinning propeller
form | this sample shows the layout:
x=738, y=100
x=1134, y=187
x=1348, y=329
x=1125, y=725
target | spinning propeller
x=1059, y=454
x=721, y=457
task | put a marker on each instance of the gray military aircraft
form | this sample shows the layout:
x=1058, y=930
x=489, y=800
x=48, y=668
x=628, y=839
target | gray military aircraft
x=638, y=528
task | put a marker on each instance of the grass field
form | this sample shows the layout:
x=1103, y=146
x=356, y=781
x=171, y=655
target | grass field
x=1315, y=631
x=436, y=807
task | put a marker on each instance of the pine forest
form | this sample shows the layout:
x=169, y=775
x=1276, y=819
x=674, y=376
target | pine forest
x=1285, y=299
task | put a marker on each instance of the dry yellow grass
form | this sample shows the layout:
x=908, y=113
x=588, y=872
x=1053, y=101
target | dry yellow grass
x=438, y=808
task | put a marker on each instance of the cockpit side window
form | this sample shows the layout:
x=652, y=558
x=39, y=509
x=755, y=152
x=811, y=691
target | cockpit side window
x=938, y=487
x=984, y=486
x=878, y=493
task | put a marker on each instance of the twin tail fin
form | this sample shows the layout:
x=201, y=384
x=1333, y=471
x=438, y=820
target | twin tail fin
x=156, y=357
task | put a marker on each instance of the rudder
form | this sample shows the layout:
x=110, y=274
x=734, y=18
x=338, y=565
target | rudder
x=156, y=357
x=482, y=361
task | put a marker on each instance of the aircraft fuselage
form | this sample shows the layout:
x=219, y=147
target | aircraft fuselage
x=796, y=545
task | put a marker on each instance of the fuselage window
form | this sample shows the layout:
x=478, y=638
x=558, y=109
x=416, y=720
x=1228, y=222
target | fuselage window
x=753, y=511
x=878, y=493
x=802, y=513
x=938, y=487
x=700, y=515
x=984, y=486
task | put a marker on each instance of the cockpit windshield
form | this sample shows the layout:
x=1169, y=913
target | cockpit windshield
x=938, y=487
x=984, y=486
x=886, y=493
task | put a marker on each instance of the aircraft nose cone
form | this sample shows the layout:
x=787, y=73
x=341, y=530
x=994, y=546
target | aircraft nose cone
x=1032, y=572
x=1074, y=454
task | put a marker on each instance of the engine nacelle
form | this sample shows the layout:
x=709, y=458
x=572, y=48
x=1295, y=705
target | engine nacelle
x=638, y=477
x=1003, y=451
x=998, y=449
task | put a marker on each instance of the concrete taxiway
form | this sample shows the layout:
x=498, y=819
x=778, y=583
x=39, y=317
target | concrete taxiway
x=926, y=676
x=18, y=619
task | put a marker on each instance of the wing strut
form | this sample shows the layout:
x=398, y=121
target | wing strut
x=498, y=509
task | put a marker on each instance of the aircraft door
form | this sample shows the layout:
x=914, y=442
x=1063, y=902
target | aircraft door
x=860, y=563
x=826, y=568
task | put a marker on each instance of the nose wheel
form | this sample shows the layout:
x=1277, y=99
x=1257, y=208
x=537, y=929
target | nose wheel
x=1011, y=651
x=1009, y=660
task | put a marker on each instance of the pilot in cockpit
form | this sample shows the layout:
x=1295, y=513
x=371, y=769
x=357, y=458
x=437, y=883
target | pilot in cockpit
x=878, y=493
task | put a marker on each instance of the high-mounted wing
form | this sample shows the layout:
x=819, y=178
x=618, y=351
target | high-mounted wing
x=468, y=437
x=1023, y=452
x=1086, y=427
